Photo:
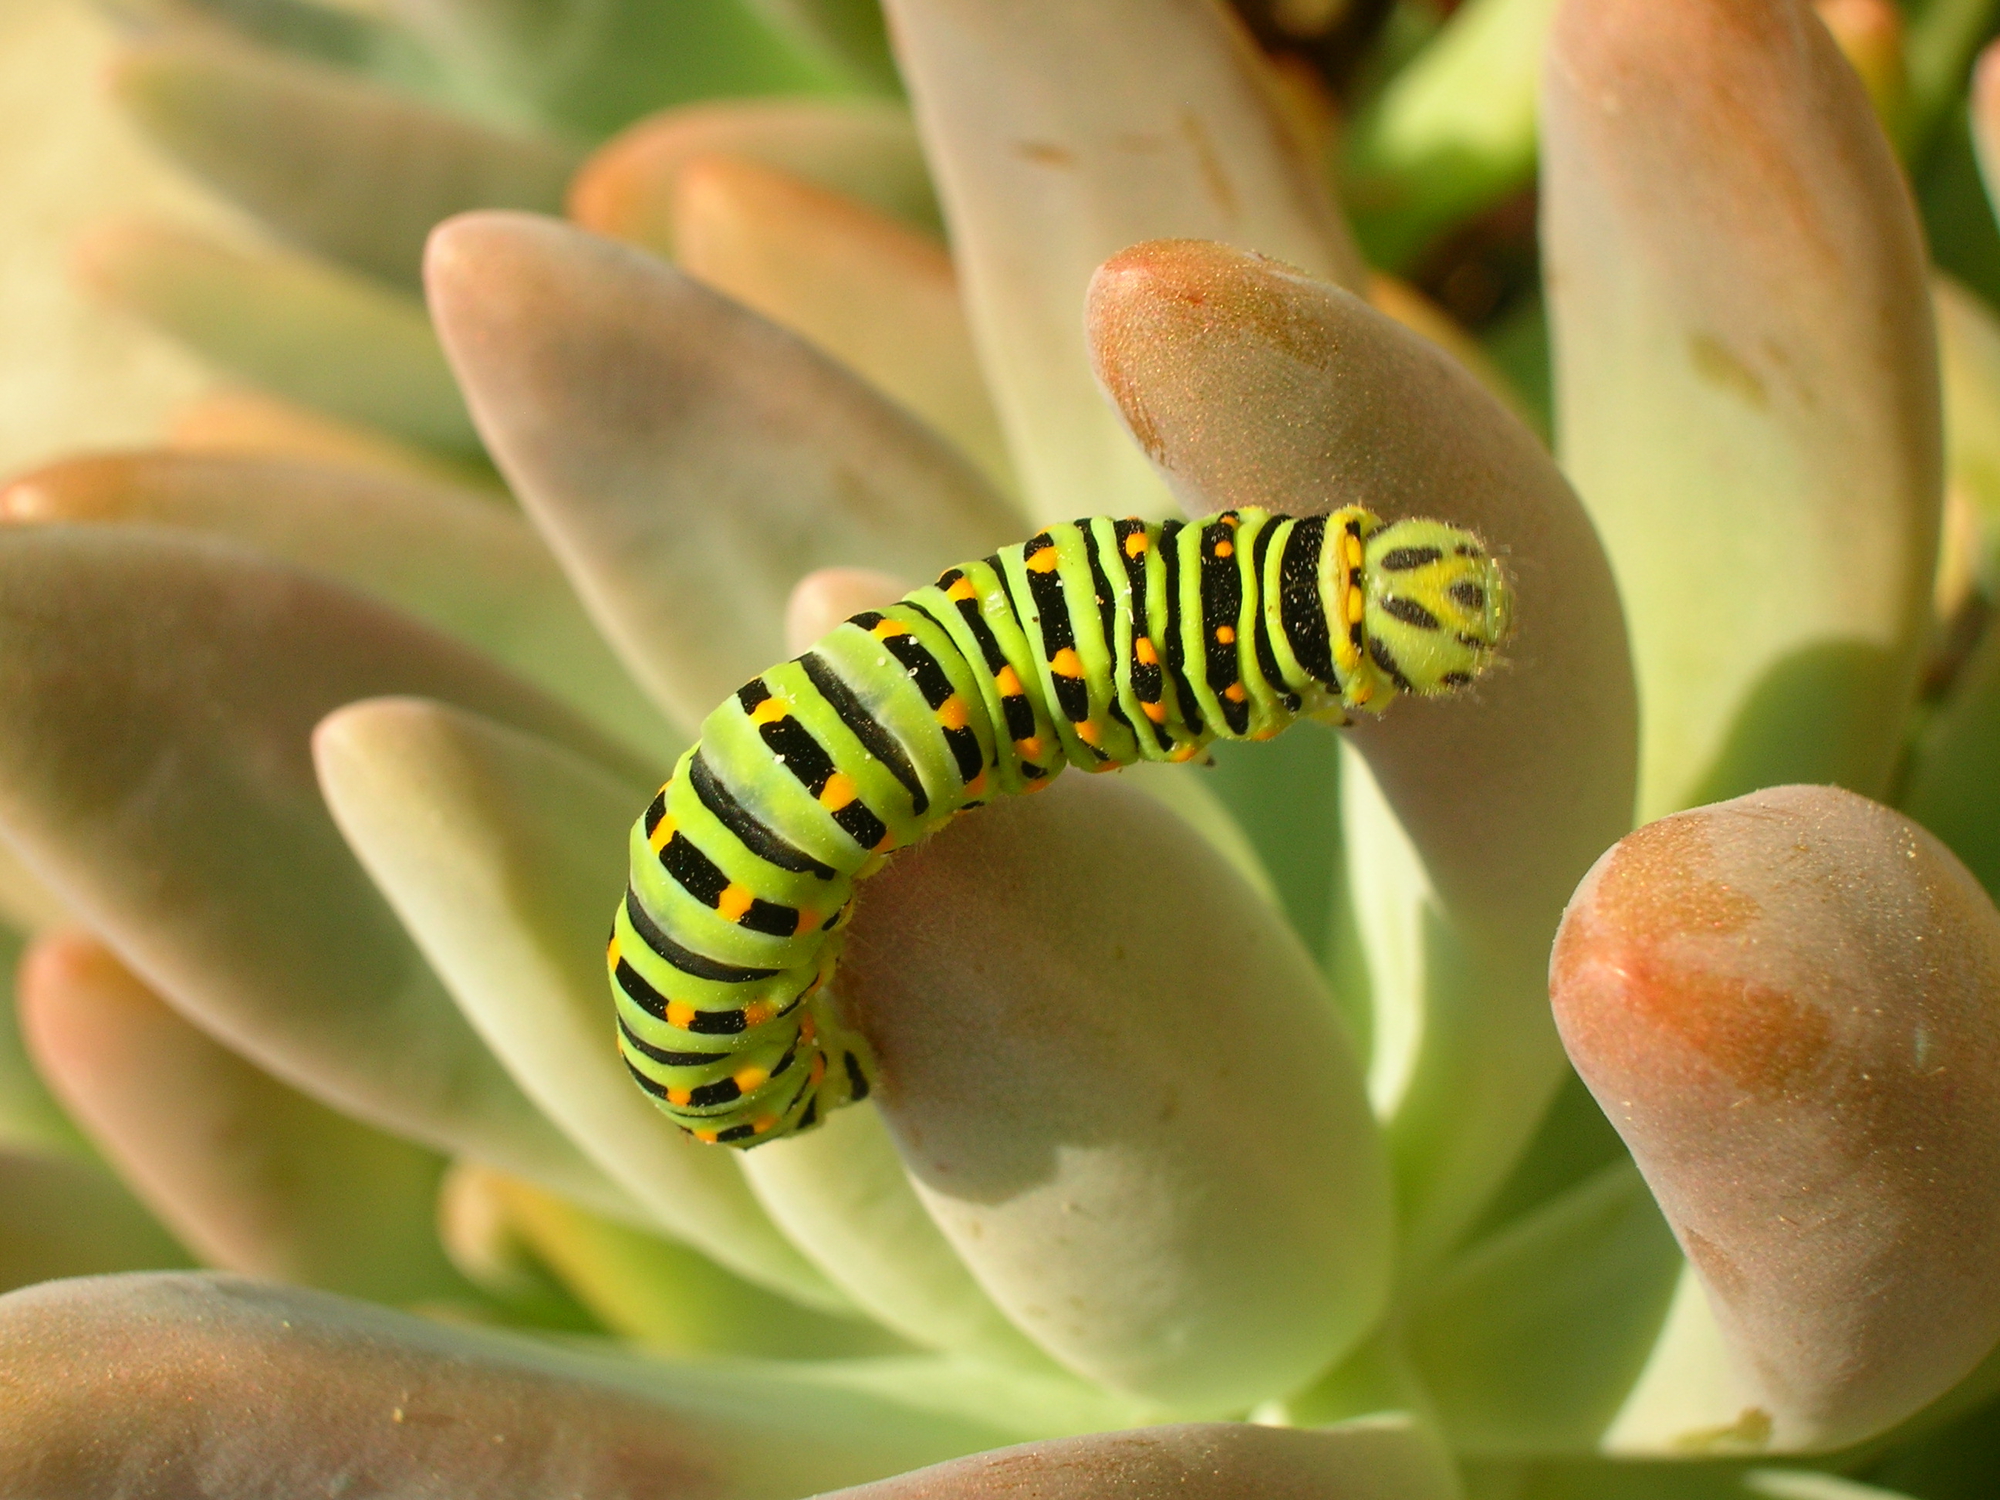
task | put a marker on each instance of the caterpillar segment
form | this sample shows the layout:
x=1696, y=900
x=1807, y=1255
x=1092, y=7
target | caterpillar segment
x=1095, y=644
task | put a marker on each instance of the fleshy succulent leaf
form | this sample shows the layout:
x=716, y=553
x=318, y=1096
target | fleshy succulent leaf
x=1790, y=1006
x=334, y=164
x=69, y=1217
x=135, y=1388
x=1061, y=133
x=1249, y=384
x=1032, y=980
x=1377, y=1459
x=251, y=1174
x=688, y=461
x=159, y=778
x=862, y=148
x=289, y=324
x=1777, y=573
x=504, y=855
x=450, y=557
x=874, y=294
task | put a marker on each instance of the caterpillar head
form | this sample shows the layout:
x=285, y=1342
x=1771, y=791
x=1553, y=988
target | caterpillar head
x=1437, y=606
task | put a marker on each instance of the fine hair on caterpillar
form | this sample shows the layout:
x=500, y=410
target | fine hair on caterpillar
x=1094, y=644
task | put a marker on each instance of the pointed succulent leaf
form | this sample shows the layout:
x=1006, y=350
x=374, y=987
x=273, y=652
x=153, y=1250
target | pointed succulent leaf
x=1955, y=765
x=1060, y=134
x=69, y=1217
x=879, y=297
x=450, y=557
x=1377, y=1459
x=1530, y=1340
x=1154, y=1224
x=848, y=35
x=336, y=165
x=252, y=1175
x=505, y=855
x=160, y=692
x=591, y=67
x=135, y=1388
x=1249, y=384
x=862, y=148
x=1789, y=1004
x=1452, y=133
x=1777, y=572
x=669, y=1297
x=688, y=461
x=291, y=325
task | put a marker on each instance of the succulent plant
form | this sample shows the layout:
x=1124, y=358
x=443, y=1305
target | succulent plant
x=1227, y=1141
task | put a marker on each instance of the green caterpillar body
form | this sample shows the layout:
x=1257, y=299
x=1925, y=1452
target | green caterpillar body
x=1094, y=644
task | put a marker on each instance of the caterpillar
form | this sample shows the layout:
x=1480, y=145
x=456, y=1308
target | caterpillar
x=1094, y=644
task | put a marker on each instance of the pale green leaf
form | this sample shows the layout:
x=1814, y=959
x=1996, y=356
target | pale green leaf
x=447, y=555
x=1035, y=981
x=505, y=856
x=1466, y=822
x=292, y=325
x=1061, y=133
x=248, y=1173
x=1747, y=389
x=688, y=462
x=159, y=693
x=335, y=164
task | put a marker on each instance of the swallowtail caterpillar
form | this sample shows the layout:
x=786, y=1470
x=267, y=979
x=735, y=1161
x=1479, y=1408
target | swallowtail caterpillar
x=1095, y=644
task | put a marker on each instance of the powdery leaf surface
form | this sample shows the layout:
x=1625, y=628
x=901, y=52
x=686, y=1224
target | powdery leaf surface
x=1789, y=1005
x=136, y=1388
x=688, y=461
